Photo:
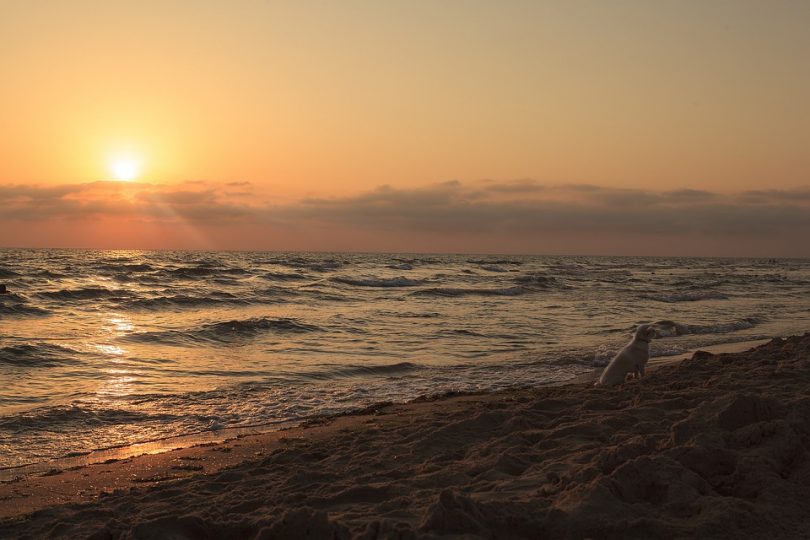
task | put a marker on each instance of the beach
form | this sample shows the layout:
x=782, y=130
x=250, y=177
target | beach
x=715, y=446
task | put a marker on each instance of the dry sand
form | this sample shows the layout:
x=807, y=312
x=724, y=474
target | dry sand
x=715, y=446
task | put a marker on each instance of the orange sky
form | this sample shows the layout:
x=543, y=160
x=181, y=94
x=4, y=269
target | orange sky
x=255, y=120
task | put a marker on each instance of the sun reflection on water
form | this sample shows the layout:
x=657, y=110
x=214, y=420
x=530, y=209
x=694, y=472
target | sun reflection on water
x=111, y=350
x=120, y=325
x=120, y=384
x=120, y=379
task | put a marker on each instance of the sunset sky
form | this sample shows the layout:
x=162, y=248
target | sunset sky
x=572, y=127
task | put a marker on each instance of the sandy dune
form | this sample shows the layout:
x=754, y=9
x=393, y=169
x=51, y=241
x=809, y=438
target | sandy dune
x=713, y=447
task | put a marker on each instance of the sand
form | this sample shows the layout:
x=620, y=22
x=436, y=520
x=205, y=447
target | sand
x=715, y=446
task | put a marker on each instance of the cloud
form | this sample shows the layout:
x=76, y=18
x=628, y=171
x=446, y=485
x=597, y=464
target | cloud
x=524, y=210
x=579, y=208
x=117, y=199
x=689, y=196
x=776, y=196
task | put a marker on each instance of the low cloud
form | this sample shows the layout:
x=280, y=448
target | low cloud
x=190, y=201
x=579, y=208
x=521, y=209
x=770, y=196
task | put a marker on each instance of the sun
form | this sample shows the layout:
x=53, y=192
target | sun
x=125, y=168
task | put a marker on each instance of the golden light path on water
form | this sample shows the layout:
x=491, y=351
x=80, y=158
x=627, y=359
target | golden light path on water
x=119, y=379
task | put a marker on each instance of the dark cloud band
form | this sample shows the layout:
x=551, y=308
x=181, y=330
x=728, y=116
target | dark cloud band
x=522, y=208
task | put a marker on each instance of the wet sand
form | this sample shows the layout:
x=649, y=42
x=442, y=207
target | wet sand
x=715, y=446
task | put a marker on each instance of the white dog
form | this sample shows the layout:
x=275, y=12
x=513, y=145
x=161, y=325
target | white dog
x=633, y=357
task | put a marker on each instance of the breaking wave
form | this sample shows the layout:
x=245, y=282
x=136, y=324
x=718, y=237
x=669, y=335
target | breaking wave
x=37, y=355
x=228, y=332
x=89, y=293
x=181, y=301
x=66, y=417
x=285, y=276
x=5, y=273
x=724, y=327
x=697, y=296
x=537, y=280
x=376, y=282
x=16, y=305
x=457, y=292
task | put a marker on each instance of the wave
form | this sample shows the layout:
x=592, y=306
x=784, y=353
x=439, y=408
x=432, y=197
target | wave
x=410, y=314
x=128, y=267
x=691, y=284
x=256, y=324
x=5, y=273
x=587, y=358
x=734, y=279
x=333, y=371
x=284, y=276
x=696, y=296
x=180, y=301
x=22, y=310
x=195, y=272
x=376, y=282
x=49, y=274
x=228, y=332
x=64, y=418
x=462, y=332
x=17, y=305
x=89, y=293
x=325, y=265
x=495, y=261
x=37, y=355
x=375, y=369
x=494, y=268
x=274, y=294
x=724, y=327
x=537, y=280
x=457, y=292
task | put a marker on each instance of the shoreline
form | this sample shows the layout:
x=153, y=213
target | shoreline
x=178, y=442
x=712, y=446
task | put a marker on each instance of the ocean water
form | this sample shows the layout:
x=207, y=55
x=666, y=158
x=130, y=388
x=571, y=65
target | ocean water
x=107, y=348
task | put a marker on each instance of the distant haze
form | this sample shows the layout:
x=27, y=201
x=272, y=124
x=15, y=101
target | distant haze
x=626, y=127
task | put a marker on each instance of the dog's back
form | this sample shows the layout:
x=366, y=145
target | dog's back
x=634, y=356
x=631, y=359
x=625, y=361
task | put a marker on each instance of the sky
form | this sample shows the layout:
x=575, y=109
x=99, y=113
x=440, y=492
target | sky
x=569, y=127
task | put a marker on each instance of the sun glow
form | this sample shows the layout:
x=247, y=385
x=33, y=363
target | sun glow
x=125, y=168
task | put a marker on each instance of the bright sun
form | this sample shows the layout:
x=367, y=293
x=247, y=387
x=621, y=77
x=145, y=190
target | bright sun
x=125, y=168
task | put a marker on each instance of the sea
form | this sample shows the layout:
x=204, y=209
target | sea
x=106, y=349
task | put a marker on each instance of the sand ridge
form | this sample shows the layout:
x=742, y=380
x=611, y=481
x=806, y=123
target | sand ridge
x=713, y=447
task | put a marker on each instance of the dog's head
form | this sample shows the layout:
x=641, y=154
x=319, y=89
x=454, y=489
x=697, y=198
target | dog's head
x=645, y=332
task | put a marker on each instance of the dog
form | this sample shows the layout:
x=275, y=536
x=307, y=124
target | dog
x=633, y=358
